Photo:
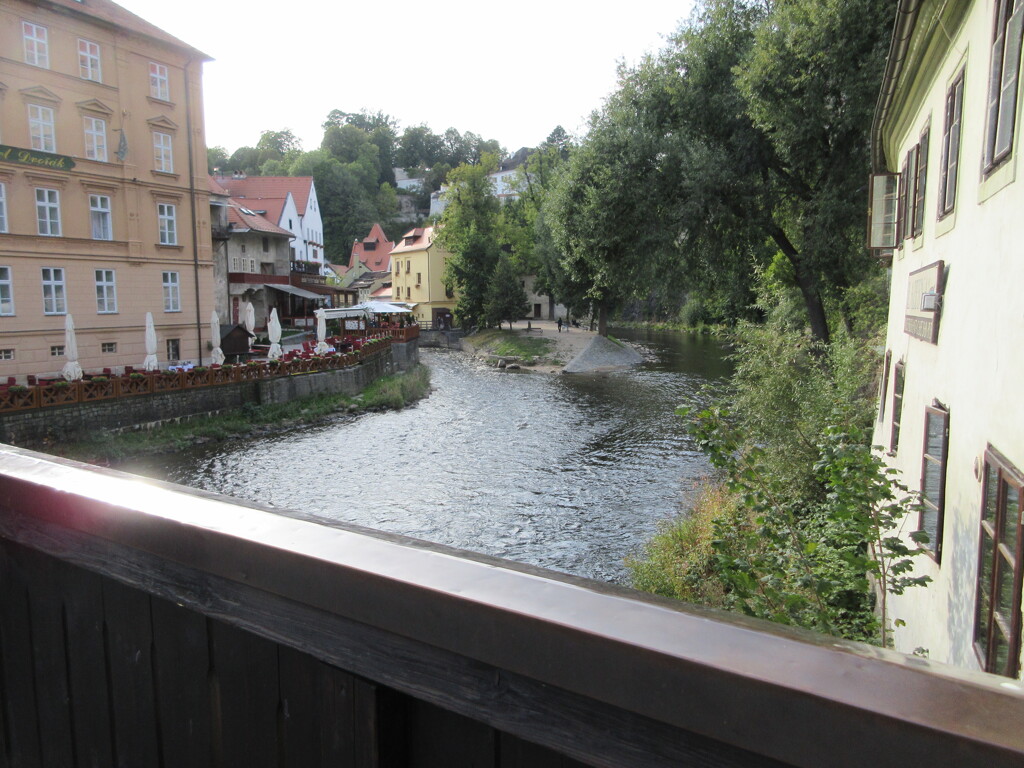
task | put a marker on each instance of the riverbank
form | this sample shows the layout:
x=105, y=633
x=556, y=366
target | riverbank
x=537, y=345
x=388, y=393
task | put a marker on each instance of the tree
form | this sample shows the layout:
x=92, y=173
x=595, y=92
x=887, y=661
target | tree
x=216, y=158
x=419, y=147
x=506, y=298
x=279, y=142
x=469, y=230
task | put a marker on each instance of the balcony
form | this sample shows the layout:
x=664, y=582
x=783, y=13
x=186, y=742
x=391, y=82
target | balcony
x=146, y=624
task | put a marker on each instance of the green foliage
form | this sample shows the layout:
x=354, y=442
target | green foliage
x=469, y=231
x=506, y=298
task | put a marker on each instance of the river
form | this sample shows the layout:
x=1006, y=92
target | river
x=569, y=472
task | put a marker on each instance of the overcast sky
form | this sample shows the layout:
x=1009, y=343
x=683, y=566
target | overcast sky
x=508, y=71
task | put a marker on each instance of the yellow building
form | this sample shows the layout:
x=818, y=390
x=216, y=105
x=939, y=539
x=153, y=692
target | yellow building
x=104, y=207
x=418, y=264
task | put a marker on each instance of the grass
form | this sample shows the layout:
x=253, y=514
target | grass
x=529, y=349
x=391, y=392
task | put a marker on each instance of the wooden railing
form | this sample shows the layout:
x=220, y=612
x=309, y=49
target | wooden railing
x=20, y=398
x=142, y=624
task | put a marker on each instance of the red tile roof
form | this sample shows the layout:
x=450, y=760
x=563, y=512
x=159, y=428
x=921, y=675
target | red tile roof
x=214, y=187
x=415, y=240
x=270, y=187
x=378, y=255
x=244, y=218
x=112, y=13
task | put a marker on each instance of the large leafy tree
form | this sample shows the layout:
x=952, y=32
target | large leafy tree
x=506, y=298
x=470, y=231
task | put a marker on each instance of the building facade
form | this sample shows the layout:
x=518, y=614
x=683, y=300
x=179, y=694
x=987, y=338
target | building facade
x=101, y=217
x=418, y=278
x=946, y=208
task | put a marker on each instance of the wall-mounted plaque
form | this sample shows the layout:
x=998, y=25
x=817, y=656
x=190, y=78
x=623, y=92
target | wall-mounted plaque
x=36, y=159
x=924, y=302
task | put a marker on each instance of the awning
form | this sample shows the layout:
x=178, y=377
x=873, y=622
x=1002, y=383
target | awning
x=294, y=291
x=360, y=310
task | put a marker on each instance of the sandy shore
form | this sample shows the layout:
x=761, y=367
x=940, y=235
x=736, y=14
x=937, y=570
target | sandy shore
x=567, y=344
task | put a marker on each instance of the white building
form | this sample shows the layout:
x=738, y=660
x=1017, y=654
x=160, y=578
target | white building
x=951, y=214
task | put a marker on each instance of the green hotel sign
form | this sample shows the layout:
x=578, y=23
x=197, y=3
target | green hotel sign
x=34, y=158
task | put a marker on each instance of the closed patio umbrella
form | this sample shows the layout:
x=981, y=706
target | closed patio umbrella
x=321, y=334
x=217, y=355
x=274, y=331
x=150, y=363
x=71, y=371
x=249, y=321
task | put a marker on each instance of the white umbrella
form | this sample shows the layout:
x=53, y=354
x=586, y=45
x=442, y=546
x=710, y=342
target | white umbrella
x=217, y=355
x=249, y=320
x=150, y=363
x=274, y=331
x=72, y=371
x=321, y=334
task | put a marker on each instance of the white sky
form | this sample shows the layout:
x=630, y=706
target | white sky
x=510, y=72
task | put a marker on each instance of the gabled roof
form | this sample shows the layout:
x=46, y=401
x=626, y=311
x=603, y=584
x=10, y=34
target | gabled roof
x=374, y=250
x=215, y=188
x=270, y=187
x=108, y=12
x=243, y=218
x=415, y=240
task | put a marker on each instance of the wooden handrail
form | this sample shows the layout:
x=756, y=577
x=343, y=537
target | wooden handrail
x=600, y=673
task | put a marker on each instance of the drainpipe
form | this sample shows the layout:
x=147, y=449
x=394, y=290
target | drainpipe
x=192, y=198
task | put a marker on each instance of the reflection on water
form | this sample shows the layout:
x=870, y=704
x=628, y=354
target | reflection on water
x=567, y=472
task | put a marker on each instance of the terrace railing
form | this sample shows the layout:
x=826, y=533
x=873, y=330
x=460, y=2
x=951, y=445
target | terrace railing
x=144, y=624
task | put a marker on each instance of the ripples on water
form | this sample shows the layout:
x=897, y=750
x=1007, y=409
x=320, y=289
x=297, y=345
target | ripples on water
x=567, y=472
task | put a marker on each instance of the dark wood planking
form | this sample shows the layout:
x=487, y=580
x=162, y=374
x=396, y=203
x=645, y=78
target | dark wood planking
x=182, y=667
x=130, y=668
x=19, y=691
x=245, y=675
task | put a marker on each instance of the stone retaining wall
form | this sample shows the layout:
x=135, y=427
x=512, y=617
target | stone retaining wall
x=40, y=427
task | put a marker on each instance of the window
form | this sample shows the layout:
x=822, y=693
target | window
x=174, y=349
x=951, y=145
x=172, y=294
x=933, y=476
x=48, y=212
x=884, y=386
x=919, y=184
x=883, y=200
x=106, y=292
x=908, y=197
x=108, y=347
x=408, y=292
x=1002, y=85
x=6, y=354
x=266, y=244
x=89, y=61
x=163, y=156
x=40, y=128
x=37, y=49
x=899, y=377
x=95, y=138
x=166, y=213
x=159, y=87
x=54, y=302
x=3, y=207
x=418, y=277
x=997, y=630
x=408, y=266
x=99, y=215
x=57, y=350
x=6, y=292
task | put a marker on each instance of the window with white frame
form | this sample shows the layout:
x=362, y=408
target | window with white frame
x=57, y=350
x=172, y=292
x=174, y=349
x=6, y=354
x=6, y=292
x=41, y=132
x=99, y=217
x=3, y=207
x=89, y=60
x=54, y=296
x=159, y=84
x=163, y=157
x=1002, y=87
x=933, y=476
x=108, y=347
x=95, y=138
x=166, y=214
x=37, y=47
x=48, y=212
x=106, y=292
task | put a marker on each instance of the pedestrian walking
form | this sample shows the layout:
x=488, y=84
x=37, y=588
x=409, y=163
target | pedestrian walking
x=559, y=325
